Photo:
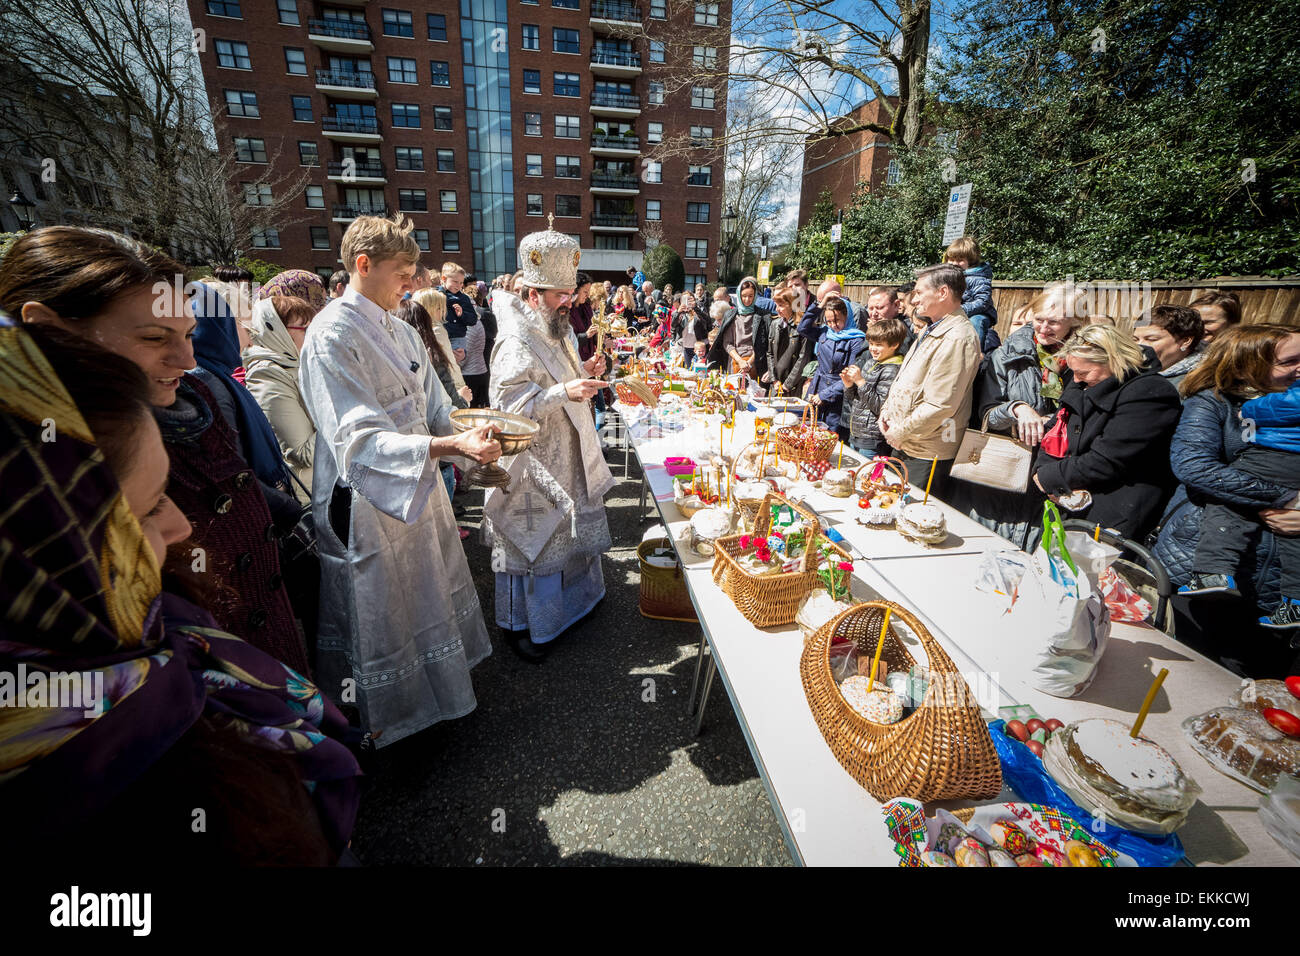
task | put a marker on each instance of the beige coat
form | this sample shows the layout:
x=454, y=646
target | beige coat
x=271, y=374
x=929, y=403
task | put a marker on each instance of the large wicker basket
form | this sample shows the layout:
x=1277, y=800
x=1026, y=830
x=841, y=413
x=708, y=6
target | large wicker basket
x=664, y=596
x=767, y=600
x=807, y=441
x=628, y=396
x=893, y=472
x=941, y=751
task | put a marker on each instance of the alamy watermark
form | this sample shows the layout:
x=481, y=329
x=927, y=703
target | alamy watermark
x=64, y=690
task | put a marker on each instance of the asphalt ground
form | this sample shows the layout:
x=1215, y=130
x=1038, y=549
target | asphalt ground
x=578, y=760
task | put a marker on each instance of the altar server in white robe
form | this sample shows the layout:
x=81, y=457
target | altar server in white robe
x=400, y=622
x=548, y=529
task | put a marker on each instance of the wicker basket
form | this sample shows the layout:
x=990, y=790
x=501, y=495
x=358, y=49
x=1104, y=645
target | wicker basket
x=893, y=473
x=664, y=596
x=807, y=441
x=627, y=396
x=767, y=600
x=941, y=751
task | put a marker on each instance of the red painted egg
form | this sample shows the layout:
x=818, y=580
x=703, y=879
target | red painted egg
x=1293, y=685
x=1018, y=730
x=1054, y=725
x=1036, y=747
x=1034, y=724
x=1283, y=720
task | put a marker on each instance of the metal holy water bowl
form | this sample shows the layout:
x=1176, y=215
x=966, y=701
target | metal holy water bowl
x=514, y=433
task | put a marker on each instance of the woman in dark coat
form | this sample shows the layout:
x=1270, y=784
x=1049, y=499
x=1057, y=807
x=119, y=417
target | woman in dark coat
x=1118, y=420
x=743, y=334
x=788, y=352
x=837, y=346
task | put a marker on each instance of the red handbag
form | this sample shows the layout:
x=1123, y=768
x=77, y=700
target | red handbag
x=1055, y=442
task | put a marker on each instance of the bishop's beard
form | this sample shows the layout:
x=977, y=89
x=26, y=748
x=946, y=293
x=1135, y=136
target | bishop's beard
x=556, y=320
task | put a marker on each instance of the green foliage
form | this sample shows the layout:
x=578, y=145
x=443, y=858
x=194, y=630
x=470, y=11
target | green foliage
x=1103, y=139
x=7, y=239
x=662, y=265
x=263, y=272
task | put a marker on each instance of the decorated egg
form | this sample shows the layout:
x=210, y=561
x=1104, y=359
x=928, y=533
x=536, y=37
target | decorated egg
x=1283, y=720
x=1080, y=854
x=1054, y=725
x=1035, y=748
x=1000, y=858
x=1027, y=859
x=1033, y=725
x=1049, y=855
x=970, y=852
x=936, y=858
x=1018, y=730
x=1007, y=835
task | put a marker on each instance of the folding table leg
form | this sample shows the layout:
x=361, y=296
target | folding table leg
x=704, y=695
x=641, y=505
x=700, y=653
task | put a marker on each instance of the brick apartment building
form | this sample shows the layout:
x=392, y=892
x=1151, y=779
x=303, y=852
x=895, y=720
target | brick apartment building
x=476, y=120
x=840, y=163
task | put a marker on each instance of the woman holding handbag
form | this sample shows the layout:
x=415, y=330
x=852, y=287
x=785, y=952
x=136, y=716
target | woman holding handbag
x=1018, y=390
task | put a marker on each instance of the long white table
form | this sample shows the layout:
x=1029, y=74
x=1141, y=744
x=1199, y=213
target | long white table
x=827, y=818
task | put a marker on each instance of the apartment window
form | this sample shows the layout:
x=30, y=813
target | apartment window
x=568, y=206
x=706, y=14
x=894, y=174
x=397, y=23
x=440, y=72
x=656, y=94
x=532, y=124
x=295, y=61
x=564, y=40
x=257, y=194
x=412, y=200
x=422, y=239
x=288, y=11
x=656, y=51
x=697, y=248
x=654, y=171
x=697, y=212
x=658, y=9
x=532, y=35
x=410, y=157
x=248, y=150
x=314, y=196
x=442, y=117
x=565, y=4
x=401, y=69
x=654, y=133
x=308, y=154
x=652, y=213
x=266, y=238
x=706, y=56
x=702, y=97
x=406, y=115
x=532, y=81
x=225, y=8
x=437, y=27
x=447, y=161
x=567, y=127
x=568, y=84
x=693, y=280
x=233, y=55
x=700, y=176
x=301, y=109
x=568, y=167
x=447, y=200
x=534, y=204
x=604, y=241
x=701, y=135
x=529, y=3
x=533, y=164
x=451, y=240
x=242, y=103
x=320, y=238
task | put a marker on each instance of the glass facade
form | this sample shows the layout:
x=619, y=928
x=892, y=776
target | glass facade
x=487, y=125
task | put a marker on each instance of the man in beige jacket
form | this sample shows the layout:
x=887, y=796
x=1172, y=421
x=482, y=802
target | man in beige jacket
x=929, y=405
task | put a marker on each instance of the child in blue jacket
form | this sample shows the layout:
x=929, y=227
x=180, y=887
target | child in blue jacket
x=977, y=300
x=1226, y=532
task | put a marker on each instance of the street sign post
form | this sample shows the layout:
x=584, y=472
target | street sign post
x=765, y=271
x=954, y=224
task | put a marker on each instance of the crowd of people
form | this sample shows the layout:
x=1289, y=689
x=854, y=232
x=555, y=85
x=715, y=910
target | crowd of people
x=236, y=506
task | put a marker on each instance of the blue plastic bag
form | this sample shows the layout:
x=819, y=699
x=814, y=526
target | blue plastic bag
x=1024, y=773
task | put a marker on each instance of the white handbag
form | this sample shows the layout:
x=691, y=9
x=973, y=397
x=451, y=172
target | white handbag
x=995, y=461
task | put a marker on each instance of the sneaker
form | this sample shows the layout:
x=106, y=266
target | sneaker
x=1286, y=616
x=1201, y=584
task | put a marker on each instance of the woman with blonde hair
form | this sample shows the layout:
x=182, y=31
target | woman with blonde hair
x=1111, y=435
x=436, y=340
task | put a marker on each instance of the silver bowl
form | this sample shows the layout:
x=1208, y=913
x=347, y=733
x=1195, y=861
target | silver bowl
x=514, y=433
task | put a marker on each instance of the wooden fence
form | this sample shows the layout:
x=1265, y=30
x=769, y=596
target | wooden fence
x=1262, y=300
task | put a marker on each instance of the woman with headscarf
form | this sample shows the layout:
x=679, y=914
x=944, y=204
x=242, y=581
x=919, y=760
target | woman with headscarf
x=296, y=284
x=741, y=343
x=271, y=376
x=168, y=713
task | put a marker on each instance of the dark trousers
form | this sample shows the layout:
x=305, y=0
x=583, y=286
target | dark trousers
x=478, y=386
x=1227, y=531
x=918, y=472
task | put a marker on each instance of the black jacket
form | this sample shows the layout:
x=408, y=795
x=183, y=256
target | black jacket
x=864, y=404
x=788, y=353
x=1118, y=436
x=457, y=324
x=718, y=352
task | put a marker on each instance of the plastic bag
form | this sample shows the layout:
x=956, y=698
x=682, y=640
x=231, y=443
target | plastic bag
x=1092, y=557
x=1000, y=572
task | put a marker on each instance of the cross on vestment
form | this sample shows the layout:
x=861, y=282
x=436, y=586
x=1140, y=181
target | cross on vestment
x=528, y=510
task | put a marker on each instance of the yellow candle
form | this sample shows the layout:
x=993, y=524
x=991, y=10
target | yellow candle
x=880, y=646
x=1096, y=534
x=1150, y=699
x=934, y=464
x=840, y=463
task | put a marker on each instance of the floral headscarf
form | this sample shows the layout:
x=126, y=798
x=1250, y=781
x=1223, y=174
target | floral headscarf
x=299, y=283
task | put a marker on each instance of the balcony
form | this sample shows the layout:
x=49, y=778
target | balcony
x=605, y=103
x=615, y=63
x=610, y=15
x=346, y=213
x=615, y=184
x=351, y=129
x=614, y=221
x=615, y=145
x=347, y=84
x=340, y=36
x=366, y=173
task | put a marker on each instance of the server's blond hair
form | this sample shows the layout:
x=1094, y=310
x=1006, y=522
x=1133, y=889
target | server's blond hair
x=379, y=237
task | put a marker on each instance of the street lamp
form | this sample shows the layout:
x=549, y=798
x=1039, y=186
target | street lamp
x=24, y=210
x=727, y=241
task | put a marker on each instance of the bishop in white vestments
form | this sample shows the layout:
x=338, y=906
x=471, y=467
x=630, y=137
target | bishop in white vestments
x=548, y=529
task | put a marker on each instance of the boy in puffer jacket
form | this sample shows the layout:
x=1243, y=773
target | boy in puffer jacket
x=865, y=391
x=1227, y=533
x=977, y=301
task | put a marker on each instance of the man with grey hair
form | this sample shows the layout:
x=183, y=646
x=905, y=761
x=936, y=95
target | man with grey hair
x=929, y=404
x=548, y=530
